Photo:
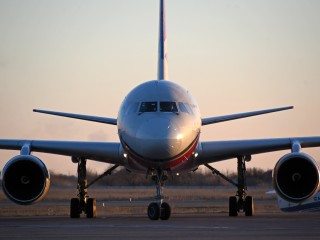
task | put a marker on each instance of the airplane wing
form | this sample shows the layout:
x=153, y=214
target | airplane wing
x=221, y=150
x=99, y=151
x=212, y=120
x=111, y=121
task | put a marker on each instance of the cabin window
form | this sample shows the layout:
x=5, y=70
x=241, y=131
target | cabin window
x=148, y=107
x=168, y=107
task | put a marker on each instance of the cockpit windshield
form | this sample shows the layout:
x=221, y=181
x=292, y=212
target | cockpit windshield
x=168, y=107
x=153, y=107
x=148, y=107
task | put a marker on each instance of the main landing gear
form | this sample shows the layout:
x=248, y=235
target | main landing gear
x=159, y=209
x=84, y=204
x=239, y=202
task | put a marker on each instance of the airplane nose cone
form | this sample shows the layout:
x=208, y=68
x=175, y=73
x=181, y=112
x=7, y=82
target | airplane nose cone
x=159, y=138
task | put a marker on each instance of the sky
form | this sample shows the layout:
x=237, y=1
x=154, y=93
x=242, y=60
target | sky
x=84, y=57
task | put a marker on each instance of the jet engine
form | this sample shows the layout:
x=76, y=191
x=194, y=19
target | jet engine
x=296, y=177
x=25, y=179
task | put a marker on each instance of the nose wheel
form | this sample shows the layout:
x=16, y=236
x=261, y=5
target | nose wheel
x=165, y=211
x=155, y=212
x=159, y=209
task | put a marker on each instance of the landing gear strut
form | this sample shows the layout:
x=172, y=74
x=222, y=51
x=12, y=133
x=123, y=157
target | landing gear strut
x=82, y=204
x=239, y=202
x=159, y=209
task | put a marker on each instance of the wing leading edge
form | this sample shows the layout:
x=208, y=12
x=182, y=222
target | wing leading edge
x=98, y=151
x=111, y=121
x=222, y=150
x=212, y=120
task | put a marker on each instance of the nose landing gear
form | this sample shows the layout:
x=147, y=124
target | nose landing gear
x=159, y=209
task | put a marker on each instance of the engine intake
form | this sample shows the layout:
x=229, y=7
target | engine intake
x=296, y=177
x=25, y=179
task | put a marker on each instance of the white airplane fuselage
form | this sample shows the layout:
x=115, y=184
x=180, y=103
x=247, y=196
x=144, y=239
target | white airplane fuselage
x=159, y=127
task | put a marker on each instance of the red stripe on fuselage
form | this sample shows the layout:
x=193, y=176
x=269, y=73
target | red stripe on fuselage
x=171, y=164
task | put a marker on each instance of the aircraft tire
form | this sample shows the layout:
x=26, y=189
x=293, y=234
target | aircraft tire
x=233, y=207
x=249, y=206
x=91, y=208
x=74, y=208
x=153, y=211
x=165, y=211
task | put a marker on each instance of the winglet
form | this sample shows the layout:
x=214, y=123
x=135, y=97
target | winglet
x=212, y=120
x=162, y=55
x=111, y=121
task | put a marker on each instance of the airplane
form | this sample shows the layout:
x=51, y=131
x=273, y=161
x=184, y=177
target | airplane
x=159, y=126
x=311, y=205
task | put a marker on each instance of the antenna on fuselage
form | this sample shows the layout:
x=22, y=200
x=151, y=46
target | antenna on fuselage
x=162, y=57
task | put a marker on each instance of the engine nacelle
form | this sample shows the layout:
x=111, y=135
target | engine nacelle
x=296, y=177
x=25, y=179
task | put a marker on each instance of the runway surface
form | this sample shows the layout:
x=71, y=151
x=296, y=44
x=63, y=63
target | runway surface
x=217, y=226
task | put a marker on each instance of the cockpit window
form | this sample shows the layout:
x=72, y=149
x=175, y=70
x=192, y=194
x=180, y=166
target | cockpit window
x=188, y=108
x=183, y=108
x=168, y=107
x=132, y=107
x=148, y=107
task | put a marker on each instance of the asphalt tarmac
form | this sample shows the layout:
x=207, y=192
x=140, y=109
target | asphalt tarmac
x=193, y=226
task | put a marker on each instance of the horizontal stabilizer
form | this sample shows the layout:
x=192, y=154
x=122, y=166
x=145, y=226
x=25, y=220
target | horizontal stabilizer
x=212, y=120
x=111, y=121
